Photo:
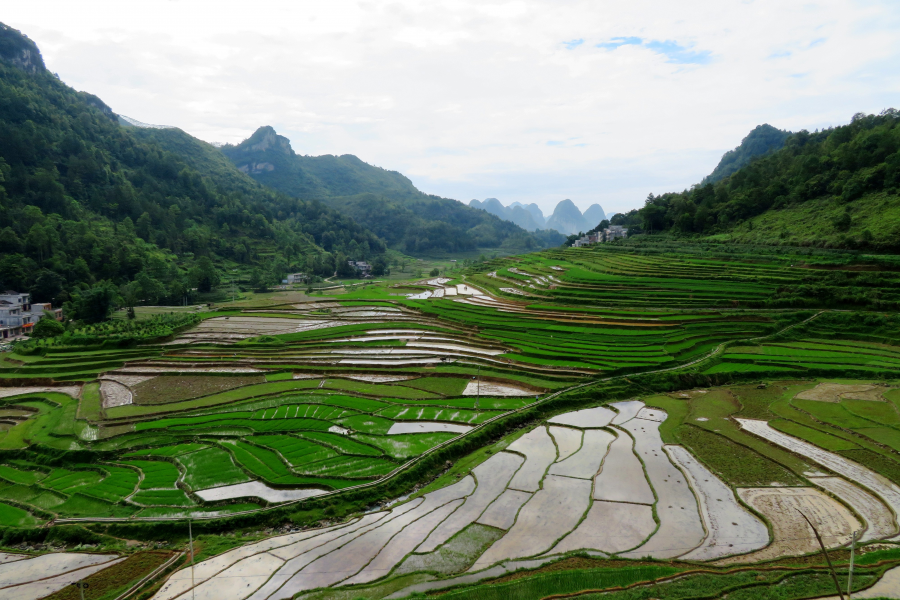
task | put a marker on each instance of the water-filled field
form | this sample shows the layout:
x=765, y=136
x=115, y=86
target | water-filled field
x=623, y=417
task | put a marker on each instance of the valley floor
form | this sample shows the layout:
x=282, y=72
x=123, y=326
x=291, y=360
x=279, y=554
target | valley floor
x=569, y=421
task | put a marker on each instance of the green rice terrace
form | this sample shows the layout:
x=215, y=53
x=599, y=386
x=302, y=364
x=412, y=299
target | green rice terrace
x=627, y=421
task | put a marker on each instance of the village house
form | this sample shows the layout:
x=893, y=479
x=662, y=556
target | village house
x=613, y=232
x=18, y=315
x=296, y=278
x=362, y=266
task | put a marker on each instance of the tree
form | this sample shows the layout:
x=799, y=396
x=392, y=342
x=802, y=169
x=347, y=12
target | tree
x=9, y=241
x=47, y=286
x=344, y=268
x=259, y=280
x=434, y=272
x=37, y=241
x=47, y=327
x=204, y=275
x=843, y=221
x=144, y=227
x=93, y=305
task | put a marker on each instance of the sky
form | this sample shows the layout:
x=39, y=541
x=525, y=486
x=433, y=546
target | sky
x=531, y=101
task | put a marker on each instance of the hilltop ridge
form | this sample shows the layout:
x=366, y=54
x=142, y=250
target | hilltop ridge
x=145, y=213
x=565, y=219
x=387, y=201
x=832, y=188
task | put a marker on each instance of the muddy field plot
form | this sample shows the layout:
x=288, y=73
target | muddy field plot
x=540, y=452
x=485, y=388
x=115, y=393
x=6, y=392
x=116, y=578
x=878, y=517
x=622, y=476
x=551, y=513
x=585, y=463
x=169, y=389
x=587, y=418
x=610, y=527
x=39, y=576
x=730, y=527
x=680, y=528
x=834, y=392
x=792, y=535
x=888, y=491
x=492, y=476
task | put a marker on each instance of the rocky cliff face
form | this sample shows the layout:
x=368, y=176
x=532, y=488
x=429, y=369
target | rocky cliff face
x=266, y=138
x=18, y=50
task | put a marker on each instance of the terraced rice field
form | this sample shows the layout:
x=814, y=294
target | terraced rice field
x=541, y=514
x=449, y=432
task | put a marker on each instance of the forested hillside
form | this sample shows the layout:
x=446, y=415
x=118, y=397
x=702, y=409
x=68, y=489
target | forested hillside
x=833, y=188
x=759, y=142
x=85, y=200
x=386, y=201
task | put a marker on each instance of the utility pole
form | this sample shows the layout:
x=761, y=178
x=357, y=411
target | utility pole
x=191, y=538
x=81, y=585
x=850, y=576
x=478, y=387
x=827, y=558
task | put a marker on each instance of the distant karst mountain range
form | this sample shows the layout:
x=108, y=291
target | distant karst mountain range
x=566, y=217
x=386, y=202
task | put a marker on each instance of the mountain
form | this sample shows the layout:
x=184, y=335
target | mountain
x=386, y=201
x=516, y=213
x=568, y=218
x=839, y=187
x=19, y=51
x=593, y=215
x=759, y=142
x=270, y=160
x=84, y=199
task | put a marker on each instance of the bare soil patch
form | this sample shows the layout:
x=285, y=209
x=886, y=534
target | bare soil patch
x=6, y=392
x=114, y=393
x=792, y=535
x=164, y=390
x=833, y=392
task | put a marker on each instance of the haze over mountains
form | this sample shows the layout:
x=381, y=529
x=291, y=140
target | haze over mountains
x=87, y=200
x=566, y=218
x=386, y=201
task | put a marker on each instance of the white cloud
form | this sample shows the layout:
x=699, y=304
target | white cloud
x=521, y=100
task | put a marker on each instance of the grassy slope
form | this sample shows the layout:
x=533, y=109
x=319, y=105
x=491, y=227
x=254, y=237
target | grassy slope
x=811, y=223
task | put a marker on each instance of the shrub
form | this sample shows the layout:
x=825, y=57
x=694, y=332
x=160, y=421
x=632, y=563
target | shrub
x=47, y=327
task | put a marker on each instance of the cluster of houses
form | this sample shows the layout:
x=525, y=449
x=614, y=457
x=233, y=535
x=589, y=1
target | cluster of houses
x=18, y=315
x=362, y=266
x=613, y=232
x=296, y=278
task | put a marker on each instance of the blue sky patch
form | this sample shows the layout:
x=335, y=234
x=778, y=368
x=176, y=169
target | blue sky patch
x=572, y=44
x=682, y=55
x=673, y=51
x=620, y=41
